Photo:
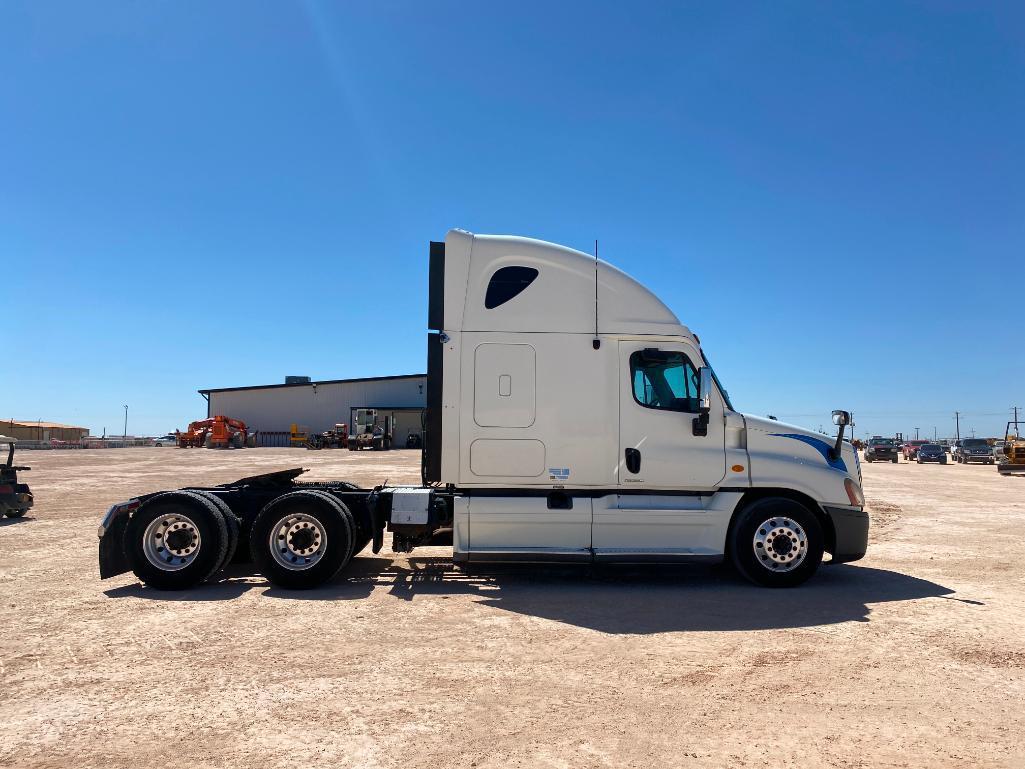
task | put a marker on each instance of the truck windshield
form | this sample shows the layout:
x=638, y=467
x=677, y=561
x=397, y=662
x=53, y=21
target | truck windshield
x=974, y=442
x=725, y=395
x=880, y=442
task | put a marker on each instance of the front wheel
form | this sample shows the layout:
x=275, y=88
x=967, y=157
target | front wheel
x=776, y=542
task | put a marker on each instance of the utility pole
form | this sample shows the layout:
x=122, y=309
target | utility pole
x=957, y=425
x=934, y=433
x=125, y=435
x=916, y=431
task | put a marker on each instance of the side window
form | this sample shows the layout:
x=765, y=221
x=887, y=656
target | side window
x=664, y=379
x=507, y=283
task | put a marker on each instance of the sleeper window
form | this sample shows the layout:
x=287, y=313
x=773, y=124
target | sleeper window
x=664, y=379
x=507, y=283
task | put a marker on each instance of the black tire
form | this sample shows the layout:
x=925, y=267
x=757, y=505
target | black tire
x=15, y=513
x=894, y=460
x=750, y=521
x=213, y=536
x=329, y=514
x=234, y=525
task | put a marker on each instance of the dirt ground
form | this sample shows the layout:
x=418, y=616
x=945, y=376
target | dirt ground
x=912, y=657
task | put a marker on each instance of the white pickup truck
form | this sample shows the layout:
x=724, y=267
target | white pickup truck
x=570, y=417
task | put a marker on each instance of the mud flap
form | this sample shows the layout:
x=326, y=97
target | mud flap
x=112, y=548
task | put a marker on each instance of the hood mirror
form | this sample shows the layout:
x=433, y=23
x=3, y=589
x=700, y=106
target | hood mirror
x=841, y=419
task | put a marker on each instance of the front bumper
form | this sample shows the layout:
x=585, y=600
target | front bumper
x=850, y=527
x=977, y=457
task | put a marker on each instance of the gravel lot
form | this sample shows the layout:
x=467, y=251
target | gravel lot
x=911, y=657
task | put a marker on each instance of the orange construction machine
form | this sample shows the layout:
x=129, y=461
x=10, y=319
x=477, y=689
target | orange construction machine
x=219, y=432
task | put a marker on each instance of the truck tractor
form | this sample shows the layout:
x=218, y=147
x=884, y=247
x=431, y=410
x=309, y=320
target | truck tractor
x=370, y=431
x=571, y=417
x=15, y=498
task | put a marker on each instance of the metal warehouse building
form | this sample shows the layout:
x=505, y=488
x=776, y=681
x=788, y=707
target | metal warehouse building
x=318, y=406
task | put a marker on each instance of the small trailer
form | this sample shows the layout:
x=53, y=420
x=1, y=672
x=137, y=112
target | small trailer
x=571, y=417
x=15, y=498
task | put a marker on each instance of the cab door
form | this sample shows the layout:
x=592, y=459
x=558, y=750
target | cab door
x=669, y=460
x=658, y=404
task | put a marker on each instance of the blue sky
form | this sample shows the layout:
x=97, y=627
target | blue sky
x=200, y=194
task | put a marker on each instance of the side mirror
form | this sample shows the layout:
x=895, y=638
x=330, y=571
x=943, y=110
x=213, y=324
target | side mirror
x=700, y=422
x=841, y=418
x=705, y=389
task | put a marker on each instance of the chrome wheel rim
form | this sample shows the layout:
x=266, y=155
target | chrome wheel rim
x=171, y=541
x=298, y=541
x=780, y=544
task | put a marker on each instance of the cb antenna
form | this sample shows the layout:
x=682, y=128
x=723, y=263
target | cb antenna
x=596, y=342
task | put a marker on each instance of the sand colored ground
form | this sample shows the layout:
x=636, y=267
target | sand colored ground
x=913, y=657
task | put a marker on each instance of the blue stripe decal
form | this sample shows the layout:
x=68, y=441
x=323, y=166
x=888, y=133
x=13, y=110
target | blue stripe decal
x=820, y=445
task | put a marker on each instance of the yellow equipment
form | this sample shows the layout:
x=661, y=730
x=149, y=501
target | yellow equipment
x=1014, y=451
x=298, y=435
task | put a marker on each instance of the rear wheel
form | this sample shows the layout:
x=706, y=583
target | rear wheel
x=233, y=524
x=776, y=542
x=302, y=539
x=15, y=513
x=176, y=540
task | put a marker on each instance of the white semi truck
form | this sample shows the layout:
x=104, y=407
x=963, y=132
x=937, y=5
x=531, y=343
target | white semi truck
x=570, y=417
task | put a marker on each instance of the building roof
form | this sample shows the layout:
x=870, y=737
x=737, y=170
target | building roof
x=39, y=423
x=310, y=384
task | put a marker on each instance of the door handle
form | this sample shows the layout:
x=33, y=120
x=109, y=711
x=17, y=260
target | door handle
x=633, y=460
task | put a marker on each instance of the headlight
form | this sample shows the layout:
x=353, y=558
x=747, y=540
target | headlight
x=854, y=493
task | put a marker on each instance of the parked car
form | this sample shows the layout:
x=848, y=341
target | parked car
x=931, y=452
x=881, y=450
x=911, y=449
x=975, y=450
x=166, y=440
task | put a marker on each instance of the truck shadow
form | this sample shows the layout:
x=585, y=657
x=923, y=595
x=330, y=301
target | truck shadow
x=636, y=600
x=615, y=600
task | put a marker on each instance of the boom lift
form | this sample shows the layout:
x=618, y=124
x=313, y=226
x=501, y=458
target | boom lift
x=218, y=432
x=570, y=417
